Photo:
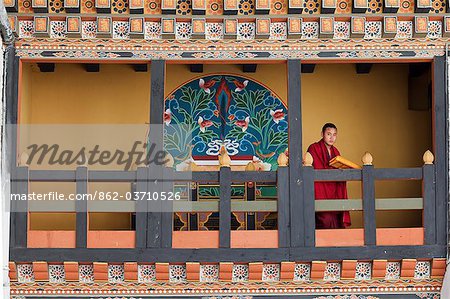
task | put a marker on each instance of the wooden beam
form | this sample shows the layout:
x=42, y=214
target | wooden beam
x=249, y=68
x=308, y=68
x=215, y=255
x=92, y=67
x=46, y=67
x=196, y=68
x=363, y=68
x=140, y=68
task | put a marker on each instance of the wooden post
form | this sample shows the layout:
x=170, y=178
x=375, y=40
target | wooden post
x=429, y=198
x=309, y=201
x=440, y=126
x=368, y=188
x=81, y=206
x=141, y=207
x=295, y=154
x=155, y=172
x=283, y=206
x=167, y=210
x=225, y=207
x=19, y=219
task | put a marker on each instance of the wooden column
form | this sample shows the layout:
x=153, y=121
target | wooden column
x=225, y=207
x=154, y=214
x=429, y=199
x=369, y=212
x=19, y=215
x=283, y=206
x=309, y=202
x=81, y=207
x=18, y=222
x=141, y=208
x=440, y=126
x=295, y=154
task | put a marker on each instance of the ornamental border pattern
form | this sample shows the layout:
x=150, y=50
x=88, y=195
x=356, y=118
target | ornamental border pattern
x=104, y=49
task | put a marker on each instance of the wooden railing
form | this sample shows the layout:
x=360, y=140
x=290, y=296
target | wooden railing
x=154, y=229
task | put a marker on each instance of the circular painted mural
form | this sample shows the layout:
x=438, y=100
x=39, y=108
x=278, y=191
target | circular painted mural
x=242, y=115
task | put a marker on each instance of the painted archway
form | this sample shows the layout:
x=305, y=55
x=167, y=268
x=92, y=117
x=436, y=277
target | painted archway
x=244, y=116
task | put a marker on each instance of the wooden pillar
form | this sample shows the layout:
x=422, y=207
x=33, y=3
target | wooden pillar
x=225, y=207
x=440, y=126
x=295, y=154
x=283, y=206
x=155, y=172
x=18, y=222
x=429, y=199
x=19, y=219
x=368, y=191
x=309, y=202
x=141, y=207
x=81, y=207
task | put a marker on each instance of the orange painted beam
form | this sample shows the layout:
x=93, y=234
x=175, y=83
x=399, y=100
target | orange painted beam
x=100, y=271
x=318, y=270
x=40, y=270
x=130, y=271
x=162, y=271
x=12, y=271
x=348, y=269
x=339, y=237
x=195, y=239
x=379, y=269
x=287, y=271
x=225, y=271
x=111, y=239
x=51, y=239
x=193, y=271
x=400, y=236
x=407, y=268
x=255, y=271
x=438, y=266
x=254, y=239
x=71, y=271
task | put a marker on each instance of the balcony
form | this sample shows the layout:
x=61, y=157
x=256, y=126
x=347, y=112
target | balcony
x=295, y=236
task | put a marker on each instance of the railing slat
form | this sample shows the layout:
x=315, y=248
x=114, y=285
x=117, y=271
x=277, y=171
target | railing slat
x=397, y=173
x=112, y=176
x=337, y=175
x=324, y=205
x=52, y=176
x=253, y=176
x=412, y=203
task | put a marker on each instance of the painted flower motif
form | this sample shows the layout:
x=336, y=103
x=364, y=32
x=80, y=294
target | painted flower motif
x=216, y=112
x=204, y=123
x=243, y=124
x=167, y=117
x=277, y=115
x=231, y=117
x=206, y=86
x=240, y=86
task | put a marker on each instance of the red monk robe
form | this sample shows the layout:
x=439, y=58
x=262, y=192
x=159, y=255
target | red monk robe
x=328, y=190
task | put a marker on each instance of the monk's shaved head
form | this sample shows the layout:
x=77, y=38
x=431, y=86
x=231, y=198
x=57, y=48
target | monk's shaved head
x=328, y=125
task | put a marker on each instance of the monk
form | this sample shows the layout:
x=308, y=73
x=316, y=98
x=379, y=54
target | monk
x=322, y=152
